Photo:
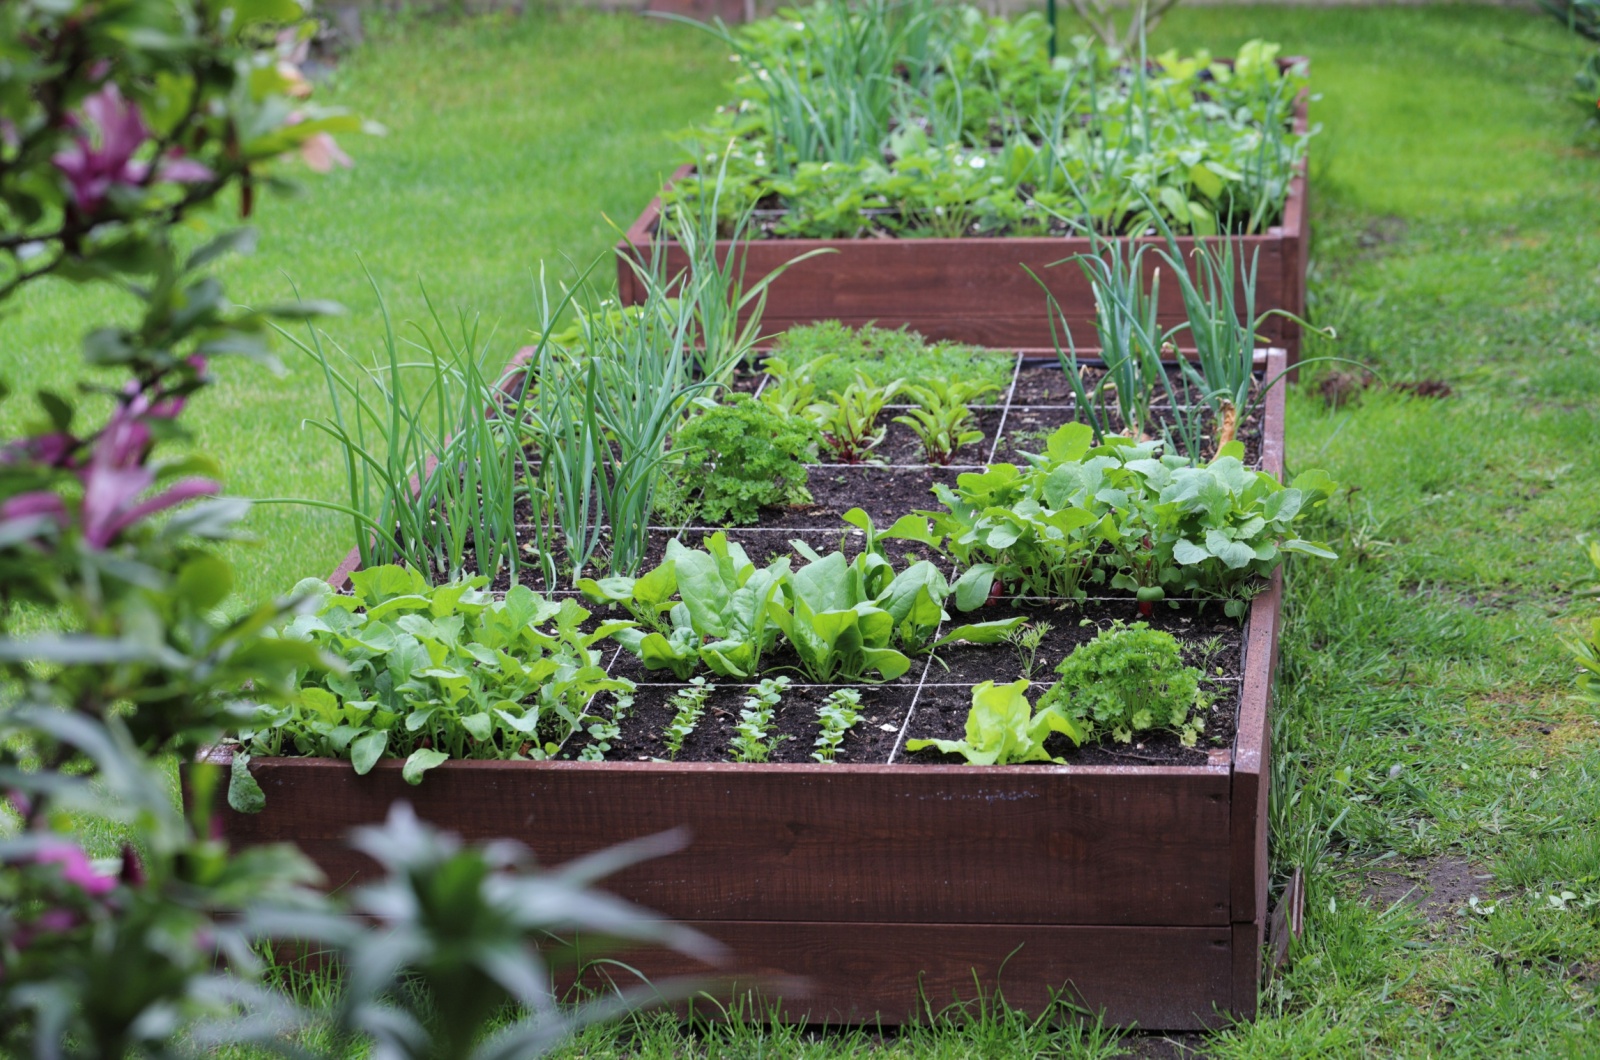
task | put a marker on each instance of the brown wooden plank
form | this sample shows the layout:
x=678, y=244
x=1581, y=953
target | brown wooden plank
x=1248, y=940
x=1253, y=743
x=1251, y=758
x=970, y=290
x=1160, y=978
x=806, y=842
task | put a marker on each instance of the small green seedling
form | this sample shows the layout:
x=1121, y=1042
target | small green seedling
x=754, y=740
x=690, y=702
x=840, y=713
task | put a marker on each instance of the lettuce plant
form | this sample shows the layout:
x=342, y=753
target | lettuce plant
x=1002, y=728
x=1127, y=680
x=433, y=673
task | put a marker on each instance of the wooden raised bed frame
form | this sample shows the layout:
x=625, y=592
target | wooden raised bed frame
x=1137, y=892
x=975, y=290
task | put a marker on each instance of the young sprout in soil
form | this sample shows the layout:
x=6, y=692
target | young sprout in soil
x=1209, y=650
x=603, y=731
x=838, y=714
x=753, y=740
x=691, y=704
x=791, y=386
x=942, y=419
x=1025, y=641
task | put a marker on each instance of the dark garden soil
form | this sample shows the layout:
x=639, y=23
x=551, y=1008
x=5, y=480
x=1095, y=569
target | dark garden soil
x=883, y=712
x=937, y=693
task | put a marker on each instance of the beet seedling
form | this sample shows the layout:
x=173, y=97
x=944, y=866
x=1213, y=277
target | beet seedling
x=849, y=423
x=941, y=418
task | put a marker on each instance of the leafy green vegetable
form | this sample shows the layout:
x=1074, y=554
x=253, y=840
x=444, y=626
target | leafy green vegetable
x=721, y=618
x=829, y=356
x=918, y=119
x=437, y=672
x=1127, y=680
x=691, y=704
x=1002, y=728
x=744, y=456
x=753, y=739
x=848, y=419
x=603, y=730
x=839, y=713
x=836, y=626
x=1124, y=515
x=941, y=418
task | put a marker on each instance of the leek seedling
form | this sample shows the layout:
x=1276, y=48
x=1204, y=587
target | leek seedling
x=432, y=466
x=1125, y=319
x=712, y=288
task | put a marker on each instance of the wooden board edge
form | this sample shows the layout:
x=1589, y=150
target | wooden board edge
x=1274, y=413
x=1248, y=809
x=1248, y=940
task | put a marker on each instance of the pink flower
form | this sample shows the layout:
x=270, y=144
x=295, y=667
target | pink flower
x=92, y=171
x=50, y=922
x=76, y=870
x=117, y=475
x=322, y=154
x=27, y=515
x=53, y=449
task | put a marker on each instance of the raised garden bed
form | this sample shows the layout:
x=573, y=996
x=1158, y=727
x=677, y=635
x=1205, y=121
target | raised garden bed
x=976, y=290
x=1132, y=880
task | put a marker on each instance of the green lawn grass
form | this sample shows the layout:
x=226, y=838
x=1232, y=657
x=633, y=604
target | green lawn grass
x=1425, y=726
x=509, y=144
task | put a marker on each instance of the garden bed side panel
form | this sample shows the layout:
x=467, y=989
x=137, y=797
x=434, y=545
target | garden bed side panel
x=1166, y=978
x=1252, y=771
x=913, y=844
x=977, y=290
